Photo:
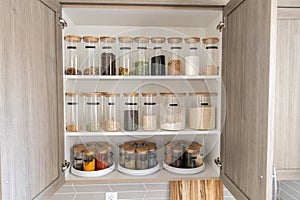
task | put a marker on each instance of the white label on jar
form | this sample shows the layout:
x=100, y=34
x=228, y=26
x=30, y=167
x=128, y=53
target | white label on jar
x=192, y=65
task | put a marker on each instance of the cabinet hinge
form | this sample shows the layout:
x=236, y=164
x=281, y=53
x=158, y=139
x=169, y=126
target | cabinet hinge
x=62, y=23
x=218, y=162
x=221, y=25
x=65, y=166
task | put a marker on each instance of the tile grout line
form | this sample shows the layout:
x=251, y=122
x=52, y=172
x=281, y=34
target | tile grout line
x=288, y=195
x=290, y=188
x=108, y=184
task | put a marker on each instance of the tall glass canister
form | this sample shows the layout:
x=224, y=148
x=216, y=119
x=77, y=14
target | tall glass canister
x=93, y=111
x=175, y=62
x=131, y=112
x=108, y=56
x=149, y=111
x=73, y=114
x=192, y=59
x=90, y=55
x=112, y=122
x=102, y=107
x=158, y=60
x=212, y=52
x=72, y=55
x=125, y=62
x=141, y=64
x=172, y=112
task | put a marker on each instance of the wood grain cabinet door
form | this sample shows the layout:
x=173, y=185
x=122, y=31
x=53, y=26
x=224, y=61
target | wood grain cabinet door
x=31, y=98
x=249, y=41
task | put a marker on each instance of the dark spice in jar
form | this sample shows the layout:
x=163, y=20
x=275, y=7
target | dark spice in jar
x=131, y=120
x=73, y=71
x=108, y=64
x=158, y=65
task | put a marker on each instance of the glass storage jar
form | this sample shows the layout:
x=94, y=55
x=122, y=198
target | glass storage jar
x=158, y=60
x=172, y=112
x=177, y=157
x=142, y=158
x=141, y=64
x=101, y=158
x=72, y=55
x=110, y=153
x=130, y=158
x=199, y=159
x=93, y=111
x=149, y=111
x=112, y=122
x=213, y=59
x=152, y=155
x=89, y=160
x=175, y=62
x=108, y=56
x=78, y=150
x=202, y=113
x=102, y=107
x=122, y=148
x=90, y=55
x=125, y=62
x=168, y=153
x=191, y=157
x=131, y=113
x=73, y=112
x=192, y=60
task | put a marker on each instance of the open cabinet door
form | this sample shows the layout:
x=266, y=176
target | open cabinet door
x=249, y=42
x=31, y=99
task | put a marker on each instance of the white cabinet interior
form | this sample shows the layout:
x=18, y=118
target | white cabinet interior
x=149, y=22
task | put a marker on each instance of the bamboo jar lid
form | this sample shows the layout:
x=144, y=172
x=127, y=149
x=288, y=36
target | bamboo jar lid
x=191, y=40
x=125, y=39
x=142, y=150
x=131, y=94
x=91, y=39
x=72, y=38
x=158, y=40
x=174, y=40
x=149, y=94
x=107, y=39
x=141, y=39
x=213, y=40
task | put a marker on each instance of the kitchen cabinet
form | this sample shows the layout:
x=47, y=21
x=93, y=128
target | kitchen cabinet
x=36, y=127
x=287, y=111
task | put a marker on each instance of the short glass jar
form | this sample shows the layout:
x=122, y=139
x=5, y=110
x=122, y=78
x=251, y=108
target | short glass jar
x=130, y=158
x=152, y=156
x=142, y=158
x=89, y=160
x=78, y=150
x=72, y=55
x=101, y=158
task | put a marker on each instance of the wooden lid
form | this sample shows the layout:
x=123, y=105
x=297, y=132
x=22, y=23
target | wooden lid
x=72, y=38
x=158, y=40
x=102, y=144
x=174, y=40
x=112, y=95
x=150, y=144
x=110, y=147
x=140, y=142
x=131, y=94
x=202, y=93
x=191, y=40
x=101, y=93
x=152, y=148
x=72, y=94
x=108, y=39
x=124, y=146
x=191, y=149
x=142, y=150
x=130, y=149
x=91, y=94
x=130, y=143
x=125, y=39
x=79, y=148
x=89, y=153
x=149, y=94
x=141, y=39
x=102, y=150
x=172, y=94
x=90, y=39
x=212, y=40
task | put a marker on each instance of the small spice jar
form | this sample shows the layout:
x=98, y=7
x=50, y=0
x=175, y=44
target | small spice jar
x=78, y=156
x=202, y=114
x=175, y=62
x=172, y=114
x=73, y=112
x=108, y=57
x=131, y=113
x=168, y=153
x=199, y=159
x=93, y=111
x=191, y=157
x=212, y=52
x=72, y=55
x=101, y=158
x=152, y=155
x=112, y=122
x=130, y=158
x=192, y=60
x=125, y=62
x=90, y=59
x=122, y=148
x=142, y=158
x=177, y=157
x=141, y=63
x=110, y=153
x=149, y=111
x=89, y=160
x=158, y=60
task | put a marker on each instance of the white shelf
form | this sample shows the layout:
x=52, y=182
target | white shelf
x=142, y=133
x=161, y=175
x=99, y=78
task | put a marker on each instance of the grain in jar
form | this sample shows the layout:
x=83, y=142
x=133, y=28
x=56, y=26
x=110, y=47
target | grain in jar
x=73, y=111
x=125, y=59
x=172, y=113
x=101, y=158
x=131, y=112
x=112, y=122
x=149, y=111
x=175, y=62
x=89, y=161
x=93, y=111
x=141, y=62
x=192, y=60
x=212, y=56
x=130, y=158
x=90, y=55
x=72, y=55
x=141, y=158
x=108, y=56
x=202, y=112
x=158, y=60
